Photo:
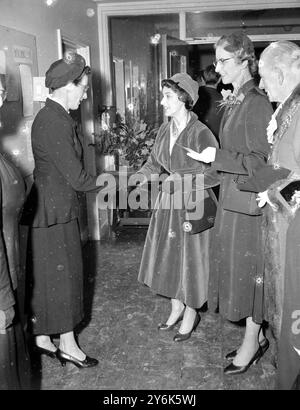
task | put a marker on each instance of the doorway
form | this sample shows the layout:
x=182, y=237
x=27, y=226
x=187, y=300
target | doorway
x=83, y=116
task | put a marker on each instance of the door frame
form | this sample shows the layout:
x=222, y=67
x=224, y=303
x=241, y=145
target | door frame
x=153, y=7
x=92, y=231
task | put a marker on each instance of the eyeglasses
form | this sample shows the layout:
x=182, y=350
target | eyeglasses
x=3, y=94
x=221, y=61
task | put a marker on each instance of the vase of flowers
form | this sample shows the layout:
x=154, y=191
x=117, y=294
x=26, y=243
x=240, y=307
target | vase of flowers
x=130, y=143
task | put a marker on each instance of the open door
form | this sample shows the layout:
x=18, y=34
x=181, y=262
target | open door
x=174, y=55
x=168, y=56
x=83, y=116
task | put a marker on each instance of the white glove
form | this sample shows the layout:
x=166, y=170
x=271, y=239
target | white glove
x=207, y=155
x=263, y=198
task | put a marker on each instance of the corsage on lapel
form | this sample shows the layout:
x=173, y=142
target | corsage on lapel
x=230, y=100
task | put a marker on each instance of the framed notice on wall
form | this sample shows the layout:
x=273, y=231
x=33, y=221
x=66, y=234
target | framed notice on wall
x=18, y=63
x=22, y=54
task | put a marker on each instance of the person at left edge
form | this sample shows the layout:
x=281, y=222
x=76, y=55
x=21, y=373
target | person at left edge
x=175, y=263
x=54, y=255
x=15, y=373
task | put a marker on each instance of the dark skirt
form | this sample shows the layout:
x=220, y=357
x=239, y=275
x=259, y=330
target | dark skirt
x=56, y=289
x=236, y=266
x=175, y=263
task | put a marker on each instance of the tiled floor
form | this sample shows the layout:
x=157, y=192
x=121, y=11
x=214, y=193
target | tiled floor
x=121, y=331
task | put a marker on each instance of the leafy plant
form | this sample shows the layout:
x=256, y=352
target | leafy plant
x=132, y=141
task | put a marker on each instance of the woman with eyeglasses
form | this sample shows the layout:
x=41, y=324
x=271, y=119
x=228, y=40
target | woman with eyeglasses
x=52, y=210
x=236, y=263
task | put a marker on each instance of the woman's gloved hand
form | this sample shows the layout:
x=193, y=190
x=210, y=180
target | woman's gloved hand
x=263, y=199
x=207, y=155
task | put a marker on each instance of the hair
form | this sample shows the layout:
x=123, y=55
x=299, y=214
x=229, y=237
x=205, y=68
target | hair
x=210, y=76
x=182, y=94
x=242, y=48
x=282, y=54
x=85, y=71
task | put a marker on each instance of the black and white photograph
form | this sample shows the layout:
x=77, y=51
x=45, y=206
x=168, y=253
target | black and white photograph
x=150, y=198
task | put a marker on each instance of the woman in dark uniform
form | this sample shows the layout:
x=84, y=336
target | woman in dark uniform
x=236, y=260
x=14, y=358
x=52, y=209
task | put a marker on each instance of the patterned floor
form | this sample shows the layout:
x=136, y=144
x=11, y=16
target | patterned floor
x=121, y=331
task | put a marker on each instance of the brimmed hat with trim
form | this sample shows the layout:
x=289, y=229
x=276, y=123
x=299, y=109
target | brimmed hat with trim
x=185, y=81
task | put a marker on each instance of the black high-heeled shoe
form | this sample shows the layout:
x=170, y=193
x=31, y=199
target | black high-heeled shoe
x=233, y=369
x=46, y=352
x=164, y=326
x=64, y=358
x=180, y=337
x=231, y=355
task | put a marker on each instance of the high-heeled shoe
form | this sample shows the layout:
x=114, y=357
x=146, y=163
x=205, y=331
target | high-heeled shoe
x=180, y=337
x=46, y=352
x=231, y=355
x=164, y=326
x=233, y=369
x=64, y=358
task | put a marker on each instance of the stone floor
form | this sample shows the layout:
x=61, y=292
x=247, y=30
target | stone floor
x=121, y=331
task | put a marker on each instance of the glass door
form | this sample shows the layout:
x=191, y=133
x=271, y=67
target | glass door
x=168, y=56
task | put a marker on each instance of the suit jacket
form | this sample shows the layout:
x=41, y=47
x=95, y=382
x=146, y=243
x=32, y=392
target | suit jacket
x=244, y=146
x=58, y=172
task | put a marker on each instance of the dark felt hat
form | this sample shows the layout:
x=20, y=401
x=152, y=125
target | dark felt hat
x=184, y=81
x=66, y=70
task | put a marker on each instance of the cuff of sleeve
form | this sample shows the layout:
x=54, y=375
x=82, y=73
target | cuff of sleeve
x=7, y=299
x=218, y=159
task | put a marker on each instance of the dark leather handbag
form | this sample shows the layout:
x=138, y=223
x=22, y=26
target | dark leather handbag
x=207, y=219
x=240, y=201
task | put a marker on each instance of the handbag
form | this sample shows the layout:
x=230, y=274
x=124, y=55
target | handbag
x=242, y=202
x=207, y=220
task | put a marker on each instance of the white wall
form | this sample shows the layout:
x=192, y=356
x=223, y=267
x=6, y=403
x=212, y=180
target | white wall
x=34, y=17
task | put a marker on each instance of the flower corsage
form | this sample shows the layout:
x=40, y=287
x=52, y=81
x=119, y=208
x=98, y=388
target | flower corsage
x=230, y=99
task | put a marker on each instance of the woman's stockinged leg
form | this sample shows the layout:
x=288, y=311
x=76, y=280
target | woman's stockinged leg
x=69, y=345
x=45, y=342
x=177, y=309
x=250, y=344
x=188, y=320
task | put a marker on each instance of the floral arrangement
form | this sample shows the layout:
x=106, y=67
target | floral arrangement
x=132, y=141
x=230, y=99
